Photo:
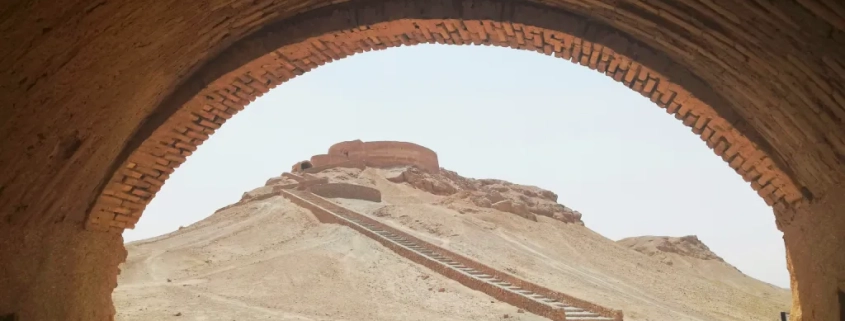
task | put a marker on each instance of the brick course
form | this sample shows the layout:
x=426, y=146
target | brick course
x=135, y=183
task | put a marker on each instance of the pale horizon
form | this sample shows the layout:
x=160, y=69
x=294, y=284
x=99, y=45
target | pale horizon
x=624, y=163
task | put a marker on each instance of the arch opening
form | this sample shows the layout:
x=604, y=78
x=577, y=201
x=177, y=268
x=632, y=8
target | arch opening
x=295, y=46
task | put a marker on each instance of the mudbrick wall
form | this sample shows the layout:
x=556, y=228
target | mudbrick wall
x=761, y=82
x=375, y=154
x=313, y=182
x=322, y=208
x=347, y=164
x=385, y=154
x=328, y=160
x=346, y=190
x=137, y=180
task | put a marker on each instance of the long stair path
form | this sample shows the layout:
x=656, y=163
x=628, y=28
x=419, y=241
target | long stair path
x=571, y=313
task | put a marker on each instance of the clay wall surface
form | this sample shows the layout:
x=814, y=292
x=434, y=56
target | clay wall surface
x=387, y=154
x=347, y=164
x=78, y=268
x=303, y=185
x=325, y=205
x=384, y=154
x=327, y=160
x=346, y=190
x=818, y=239
x=347, y=147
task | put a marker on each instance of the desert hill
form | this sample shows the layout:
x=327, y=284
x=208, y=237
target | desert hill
x=265, y=258
x=672, y=250
x=688, y=252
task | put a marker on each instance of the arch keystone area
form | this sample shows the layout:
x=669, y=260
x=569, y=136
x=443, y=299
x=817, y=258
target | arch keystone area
x=282, y=51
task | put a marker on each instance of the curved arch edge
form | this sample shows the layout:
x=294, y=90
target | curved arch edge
x=290, y=48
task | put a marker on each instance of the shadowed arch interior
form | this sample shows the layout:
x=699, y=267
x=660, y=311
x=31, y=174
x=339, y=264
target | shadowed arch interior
x=292, y=47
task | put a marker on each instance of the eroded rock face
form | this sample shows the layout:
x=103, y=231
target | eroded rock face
x=522, y=200
x=660, y=246
x=425, y=181
x=515, y=208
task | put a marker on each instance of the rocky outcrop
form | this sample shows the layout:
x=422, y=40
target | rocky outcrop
x=515, y=208
x=666, y=248
x=423, y=173
x=522, y=200
x=425, y=181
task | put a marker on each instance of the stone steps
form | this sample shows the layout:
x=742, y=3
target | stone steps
x=442, y=257
x=572, y=313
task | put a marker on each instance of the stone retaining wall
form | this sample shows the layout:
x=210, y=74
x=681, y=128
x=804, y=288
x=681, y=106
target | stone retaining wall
x=347, y=164
x=346, y=190
x=312, y=182
x=293, y=177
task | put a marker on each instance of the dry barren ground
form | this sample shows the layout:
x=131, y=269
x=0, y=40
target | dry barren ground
x=270, y=260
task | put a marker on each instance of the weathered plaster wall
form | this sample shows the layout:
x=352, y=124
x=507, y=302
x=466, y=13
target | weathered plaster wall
x=347, y=164
x=306, y=184
x=103, y=100
x=327, y=160
x=58, y=272
x=816, y=247
x=385, y=154
x=374, y=154
x=346, y=190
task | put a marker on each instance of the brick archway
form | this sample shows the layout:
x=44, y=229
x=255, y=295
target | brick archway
x=293, y=47
x=92, y=92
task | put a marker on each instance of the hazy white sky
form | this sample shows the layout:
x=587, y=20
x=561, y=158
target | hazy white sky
x=488, y=112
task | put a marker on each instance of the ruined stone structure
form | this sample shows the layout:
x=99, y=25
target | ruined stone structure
x=373, y=154
x=103, y=100
x=344, y=190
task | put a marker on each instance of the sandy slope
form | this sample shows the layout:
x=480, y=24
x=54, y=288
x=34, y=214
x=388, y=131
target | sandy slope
x=575, y=260
x=272, y=260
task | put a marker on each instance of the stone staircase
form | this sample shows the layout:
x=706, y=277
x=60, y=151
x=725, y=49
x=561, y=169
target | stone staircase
x=522, y=294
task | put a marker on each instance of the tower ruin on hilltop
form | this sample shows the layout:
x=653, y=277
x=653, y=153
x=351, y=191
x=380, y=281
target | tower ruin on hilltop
x=359, y=154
